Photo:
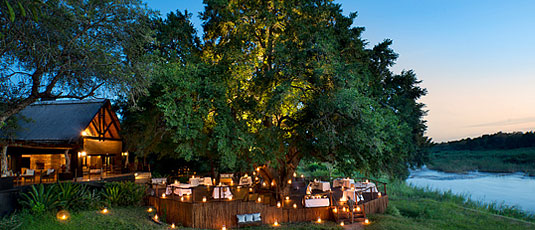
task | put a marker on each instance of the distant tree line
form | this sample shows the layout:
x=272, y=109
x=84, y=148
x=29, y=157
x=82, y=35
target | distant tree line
x=498, y=140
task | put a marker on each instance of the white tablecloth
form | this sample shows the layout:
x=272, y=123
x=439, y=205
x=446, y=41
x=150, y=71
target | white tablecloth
x=365, y=187
x=179, y=189
x=322, y=202
x=206, y=181
x=195, y=181
x=351, y=194
x=246, y=180
x=225, y=192
x=320, y=185
x=343, y=182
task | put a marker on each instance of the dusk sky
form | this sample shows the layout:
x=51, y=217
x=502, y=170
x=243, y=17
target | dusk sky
x=476, y=58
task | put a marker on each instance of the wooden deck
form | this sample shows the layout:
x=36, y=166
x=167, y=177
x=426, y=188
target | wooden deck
x=215, y=214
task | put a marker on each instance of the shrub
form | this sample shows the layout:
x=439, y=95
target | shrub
x=40, y=199
x=123, y=193
x=112, y=194
x=72, y=196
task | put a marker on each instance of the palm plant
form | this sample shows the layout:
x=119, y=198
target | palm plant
x=71, y=195
x=40, y=199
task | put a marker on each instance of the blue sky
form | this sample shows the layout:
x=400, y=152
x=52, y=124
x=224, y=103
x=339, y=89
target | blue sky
x=476, y=58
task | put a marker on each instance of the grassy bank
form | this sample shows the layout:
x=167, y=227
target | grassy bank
x=511, y=160
x=416, y=208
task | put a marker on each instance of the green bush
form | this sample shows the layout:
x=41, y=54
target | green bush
x=40, y=199
x=72, y=196
x=123, y=193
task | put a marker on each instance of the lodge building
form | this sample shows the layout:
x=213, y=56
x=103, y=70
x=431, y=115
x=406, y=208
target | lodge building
x=68, y=138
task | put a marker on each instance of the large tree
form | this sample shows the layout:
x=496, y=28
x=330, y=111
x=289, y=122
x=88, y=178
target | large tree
x=277, y=82
x=298, y=84
x=70, y=49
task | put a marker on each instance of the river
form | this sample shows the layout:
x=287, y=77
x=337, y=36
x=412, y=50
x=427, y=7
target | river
x=508, y=188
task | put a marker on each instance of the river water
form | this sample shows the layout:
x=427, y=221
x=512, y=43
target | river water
x=508, y=188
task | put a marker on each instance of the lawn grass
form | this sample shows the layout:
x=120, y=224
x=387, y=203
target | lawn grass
x=118, y=218
x=508, y=160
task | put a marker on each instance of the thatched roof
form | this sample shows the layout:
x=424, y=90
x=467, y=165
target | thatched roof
x=56, y=121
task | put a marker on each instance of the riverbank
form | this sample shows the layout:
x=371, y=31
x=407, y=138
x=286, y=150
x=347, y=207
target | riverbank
x=419, y=208
x=495, y=161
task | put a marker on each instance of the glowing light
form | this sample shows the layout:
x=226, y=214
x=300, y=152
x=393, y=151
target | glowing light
x=231, y=183
x=278, y=204
x=259, y=199
x=358, y=208
x=319, y=220
x=82, y=154
x=156, y=217
x=343, y=209
x=258, y=169
x=163, y=195
x=342, y=223
x=264, y=184
x=366, y=221
x=287, y=198
x=84, y=133
x=367, y=181
x=254, y=173
x=149, y=210
x=250, y=189
x=229, y=198
x=63, y=215
x=290, y=181
x=295, y=205
x=104, y=211
x=224, y=228
x=173, y=225
x=203, y=199
x=276, y=224
x=379, y=194
x=302, y=175
x=272, y=183
x=335, y=210
x=295, y=174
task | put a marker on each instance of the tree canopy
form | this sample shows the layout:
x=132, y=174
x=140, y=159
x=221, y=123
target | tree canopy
x=276, y=82
x=70, y=49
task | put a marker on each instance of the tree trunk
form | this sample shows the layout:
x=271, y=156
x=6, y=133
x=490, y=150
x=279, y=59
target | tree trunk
x=4, y=160
x=67, y=161
x=287, y=167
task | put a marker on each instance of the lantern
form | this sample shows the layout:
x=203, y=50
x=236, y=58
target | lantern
x=63, y=215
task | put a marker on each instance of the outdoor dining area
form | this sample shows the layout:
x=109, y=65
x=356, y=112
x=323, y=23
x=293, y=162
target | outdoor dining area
x=205, y=202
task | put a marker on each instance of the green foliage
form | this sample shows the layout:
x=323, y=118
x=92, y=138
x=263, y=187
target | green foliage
x=502, y=160
x=40, y=198
x=11, y=221
x=123, y=193
x=73, y=50
x=276, y=82
x=73, y=196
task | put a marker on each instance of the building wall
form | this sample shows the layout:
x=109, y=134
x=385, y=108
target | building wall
x=46, y=161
